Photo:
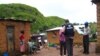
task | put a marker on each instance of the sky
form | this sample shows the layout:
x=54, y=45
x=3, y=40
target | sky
x=76, y=11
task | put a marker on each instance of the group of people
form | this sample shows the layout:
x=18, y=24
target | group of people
x=31, y=44
x=66, y=35
x=66, y=40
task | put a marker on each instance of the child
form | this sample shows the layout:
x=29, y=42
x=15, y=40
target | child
x=30, y=46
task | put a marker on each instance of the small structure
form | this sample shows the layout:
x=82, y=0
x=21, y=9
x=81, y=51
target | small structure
x=38, y=38
x=53, y=35
x=34, y=38
x=10, y=32
x=44, y=37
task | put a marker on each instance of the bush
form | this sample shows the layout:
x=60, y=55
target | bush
x=51, y=44
x=92, y=40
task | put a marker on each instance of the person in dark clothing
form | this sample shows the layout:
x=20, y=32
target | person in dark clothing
x=86, y=38
x=62, y=42
x=69, y=34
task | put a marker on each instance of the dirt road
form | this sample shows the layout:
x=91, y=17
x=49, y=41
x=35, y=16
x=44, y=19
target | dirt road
x=77, y=51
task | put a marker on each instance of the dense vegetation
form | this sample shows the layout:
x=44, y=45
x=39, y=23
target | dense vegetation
x=25, y=12
x=93, y=27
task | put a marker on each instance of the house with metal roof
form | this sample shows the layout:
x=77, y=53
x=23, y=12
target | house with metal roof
x=53, y=34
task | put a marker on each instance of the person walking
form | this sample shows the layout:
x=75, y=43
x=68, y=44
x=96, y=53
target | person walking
x=69, y=34
x=86, y=38
x=62, y=42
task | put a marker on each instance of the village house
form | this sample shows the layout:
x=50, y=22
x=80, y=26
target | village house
x=39, y=38
x=10, y=32
x=53, y=35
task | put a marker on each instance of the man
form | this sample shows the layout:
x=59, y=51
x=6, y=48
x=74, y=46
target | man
x=69, y=34
x=86, y=38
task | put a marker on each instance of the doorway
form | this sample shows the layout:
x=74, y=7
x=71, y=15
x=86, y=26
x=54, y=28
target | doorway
x=10, y=39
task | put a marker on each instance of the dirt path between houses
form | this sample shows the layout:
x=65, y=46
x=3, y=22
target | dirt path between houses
x=77, y=51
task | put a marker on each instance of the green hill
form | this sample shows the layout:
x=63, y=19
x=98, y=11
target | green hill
x=26, y=12
x=54, y=21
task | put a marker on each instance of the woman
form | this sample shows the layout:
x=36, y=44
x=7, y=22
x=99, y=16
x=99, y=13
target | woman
x=62, y=42
x=22, y=44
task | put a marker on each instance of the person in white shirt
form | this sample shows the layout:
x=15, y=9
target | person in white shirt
x=30, y=46
x=86, y=38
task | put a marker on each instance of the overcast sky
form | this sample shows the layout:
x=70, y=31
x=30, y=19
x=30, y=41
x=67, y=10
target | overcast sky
x=78, y=11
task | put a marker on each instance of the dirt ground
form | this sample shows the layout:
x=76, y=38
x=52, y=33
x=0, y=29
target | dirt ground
x=77, y=51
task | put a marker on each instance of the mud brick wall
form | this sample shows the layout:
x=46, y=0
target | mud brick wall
x=98, y=29
x=18, y=27
x=53, y=36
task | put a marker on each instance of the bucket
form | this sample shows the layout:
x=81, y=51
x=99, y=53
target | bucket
x=5, y=54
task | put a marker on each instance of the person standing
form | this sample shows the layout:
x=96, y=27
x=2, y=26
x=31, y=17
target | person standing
x=86, y=38
x=69, y=34
x=30, y=46
x=22, y=43
x=62, y=42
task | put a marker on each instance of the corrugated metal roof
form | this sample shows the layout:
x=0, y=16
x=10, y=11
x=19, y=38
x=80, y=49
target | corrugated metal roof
x=77, y=28
x=57, y=28
x=42, y=34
